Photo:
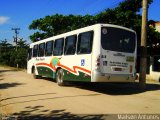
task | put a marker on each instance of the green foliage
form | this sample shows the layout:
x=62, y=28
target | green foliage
x=57, y=24
x=5, y=47
x=22, y=44
x=126, y=14
x=11, y=57
x=153, y=36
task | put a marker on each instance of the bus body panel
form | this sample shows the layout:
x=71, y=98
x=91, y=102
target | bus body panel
x=44, y=67
x=76, y=67
x=100, y=65
x=116, y=63
x=30, y=61
x=29, y=66
x=114, y=66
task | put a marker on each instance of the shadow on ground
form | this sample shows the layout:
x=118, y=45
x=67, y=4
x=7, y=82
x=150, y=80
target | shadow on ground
x=25, y=96
x=42, y=99
x=116, y=88
x=9, y=85
x=39, y=113
x=111, y=88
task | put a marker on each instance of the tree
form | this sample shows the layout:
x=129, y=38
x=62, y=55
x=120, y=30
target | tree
x=5, y=49
x=126, y=14
x=19, y=56
x=10, y=56
x=4, y=46
x=57, y=24
x=22, y=43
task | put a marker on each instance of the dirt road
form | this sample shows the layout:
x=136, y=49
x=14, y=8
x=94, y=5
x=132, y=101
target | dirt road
x=25, y=97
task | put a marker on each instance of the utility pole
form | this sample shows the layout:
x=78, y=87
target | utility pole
x=143, y=51
x=16, y=37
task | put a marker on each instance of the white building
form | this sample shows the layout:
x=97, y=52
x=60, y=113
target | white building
x=154, y=75
x=157, y=26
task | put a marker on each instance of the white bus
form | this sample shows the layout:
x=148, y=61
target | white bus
x=97, y=53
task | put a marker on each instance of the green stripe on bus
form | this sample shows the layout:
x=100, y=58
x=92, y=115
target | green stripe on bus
x=68, y=76
x=45, y=71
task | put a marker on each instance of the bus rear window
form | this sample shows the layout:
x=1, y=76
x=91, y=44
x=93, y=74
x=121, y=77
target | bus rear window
x=116, y=39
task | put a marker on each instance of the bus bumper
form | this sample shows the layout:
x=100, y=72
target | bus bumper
x=103, y=77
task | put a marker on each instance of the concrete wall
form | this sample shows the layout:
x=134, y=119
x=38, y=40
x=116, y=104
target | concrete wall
x=153, y=75
x=157, y=26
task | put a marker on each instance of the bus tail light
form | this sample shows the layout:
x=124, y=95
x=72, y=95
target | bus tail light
x=98, y=61
x=97, y=65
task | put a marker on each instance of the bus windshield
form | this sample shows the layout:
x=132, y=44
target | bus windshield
x=116, y=39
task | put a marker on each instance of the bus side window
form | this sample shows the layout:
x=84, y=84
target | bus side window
x=35, y=50
x=49, y=48
x=29, y=53
x=70, y=45
x=41, y=49
x=85, y=41
x=58, y=47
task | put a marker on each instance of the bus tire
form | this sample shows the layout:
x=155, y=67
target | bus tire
x=34, y=74
x=59, y=77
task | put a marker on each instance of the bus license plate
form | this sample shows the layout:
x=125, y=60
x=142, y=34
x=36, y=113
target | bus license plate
x=117, y=69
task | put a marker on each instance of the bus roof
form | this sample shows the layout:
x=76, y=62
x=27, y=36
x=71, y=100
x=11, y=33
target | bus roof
x=87, y=28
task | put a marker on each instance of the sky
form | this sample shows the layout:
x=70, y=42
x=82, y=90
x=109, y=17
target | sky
x=21, y=13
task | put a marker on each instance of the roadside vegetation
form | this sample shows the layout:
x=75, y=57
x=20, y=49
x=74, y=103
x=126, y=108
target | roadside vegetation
x=13, y=56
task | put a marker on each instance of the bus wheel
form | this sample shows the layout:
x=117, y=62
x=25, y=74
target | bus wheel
x=34, y=74
x=59, y=77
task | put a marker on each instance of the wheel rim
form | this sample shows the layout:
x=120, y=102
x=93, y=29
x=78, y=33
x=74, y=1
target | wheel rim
x=34, y=72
